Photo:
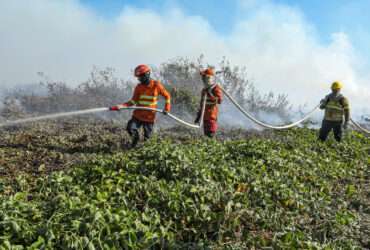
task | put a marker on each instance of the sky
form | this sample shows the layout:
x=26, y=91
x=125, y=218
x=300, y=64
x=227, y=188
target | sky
x=287, y=46
x=329, y=16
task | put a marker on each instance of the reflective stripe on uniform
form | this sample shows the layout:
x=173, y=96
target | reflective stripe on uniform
x=334, y=111
x=147, y=103
x=148, y=97
x=334, y=107
x=211, y=103
x=147, y=100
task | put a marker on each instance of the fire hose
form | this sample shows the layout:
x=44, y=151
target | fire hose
x=287, y=126
x=359, y=127
x=265, y=125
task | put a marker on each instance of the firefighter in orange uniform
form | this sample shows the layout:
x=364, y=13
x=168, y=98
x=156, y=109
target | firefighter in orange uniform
x=145, y=95
x=213, y=94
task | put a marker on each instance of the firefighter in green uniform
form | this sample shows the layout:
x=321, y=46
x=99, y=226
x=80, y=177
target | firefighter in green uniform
x=336, y=108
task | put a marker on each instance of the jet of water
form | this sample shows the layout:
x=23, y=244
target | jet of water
x=53, y=116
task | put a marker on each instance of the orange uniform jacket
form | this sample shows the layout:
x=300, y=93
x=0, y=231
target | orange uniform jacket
x=214, y=97
x=147, y=96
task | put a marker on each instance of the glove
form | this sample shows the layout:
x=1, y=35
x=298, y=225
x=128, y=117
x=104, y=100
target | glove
x=166, y=110
x=345, y=125
x=322, y=104
x=114, y=108
x=118, y=107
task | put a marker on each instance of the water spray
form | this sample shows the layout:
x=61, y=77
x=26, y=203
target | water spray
x=52, y=116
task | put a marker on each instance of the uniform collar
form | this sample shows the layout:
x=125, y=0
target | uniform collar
x=151, y=83
x=335, y=96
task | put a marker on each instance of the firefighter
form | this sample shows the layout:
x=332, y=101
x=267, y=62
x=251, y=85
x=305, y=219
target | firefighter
x=145, y=95
x=213, y=94
x=336, y=108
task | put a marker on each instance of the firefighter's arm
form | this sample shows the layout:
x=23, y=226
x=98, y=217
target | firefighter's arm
x=218, y=95
x=131, y=102
x=346, y=108
x=163, y=92
x=324, y=102
x=135, y=98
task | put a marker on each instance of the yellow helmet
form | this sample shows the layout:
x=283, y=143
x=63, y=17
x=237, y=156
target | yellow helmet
x=336, y=86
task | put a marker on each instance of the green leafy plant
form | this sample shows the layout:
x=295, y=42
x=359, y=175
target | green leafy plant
x=281, y=190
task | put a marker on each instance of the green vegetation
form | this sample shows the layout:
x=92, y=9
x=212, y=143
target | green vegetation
x=282, y=190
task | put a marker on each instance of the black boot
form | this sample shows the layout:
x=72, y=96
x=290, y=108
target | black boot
x=210, y=134
x=135, y=141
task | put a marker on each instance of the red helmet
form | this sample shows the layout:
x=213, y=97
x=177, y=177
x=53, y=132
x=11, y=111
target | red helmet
x=141, y=70
x=207, y=72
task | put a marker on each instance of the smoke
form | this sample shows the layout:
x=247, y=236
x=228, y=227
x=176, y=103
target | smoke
x=279, y=47
x=231, y=117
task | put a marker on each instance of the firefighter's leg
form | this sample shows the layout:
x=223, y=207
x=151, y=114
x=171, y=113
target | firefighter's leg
x=210, y=134
x=337, y=127
x=324, y=130
x=205, y=128
x=133, y=127
x=148, y=130
x=210, y=128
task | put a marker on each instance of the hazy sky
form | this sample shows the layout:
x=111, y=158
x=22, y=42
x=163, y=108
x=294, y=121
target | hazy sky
x=293, y=47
